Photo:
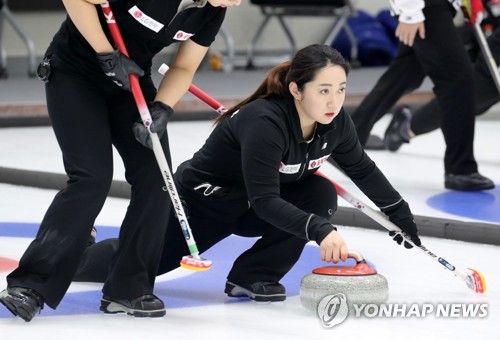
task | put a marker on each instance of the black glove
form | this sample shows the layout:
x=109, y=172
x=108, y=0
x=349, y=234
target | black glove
x=401, y=216
x=118, y=67
x=160, y=113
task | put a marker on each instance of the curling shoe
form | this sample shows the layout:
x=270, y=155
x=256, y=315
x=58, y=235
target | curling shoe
x=258, y=291
x=469, y=182
x=22, y=302
x=397, y=132
x=374, y=143
x=146, y=306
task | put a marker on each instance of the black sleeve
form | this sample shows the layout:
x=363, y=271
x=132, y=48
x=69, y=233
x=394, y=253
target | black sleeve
x=206, y=35
x=263, y=142
x=356, y=164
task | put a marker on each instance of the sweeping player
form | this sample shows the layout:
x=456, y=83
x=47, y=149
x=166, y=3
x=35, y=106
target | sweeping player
x=255, y=177
x=91, y=109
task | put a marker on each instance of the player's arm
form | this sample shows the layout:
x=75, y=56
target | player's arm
x=83, y=13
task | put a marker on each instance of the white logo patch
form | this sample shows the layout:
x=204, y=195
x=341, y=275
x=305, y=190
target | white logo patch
x=145, y=20
x=182, y=36
x=289, y=169
x=316, y=163
x=324, y=146
x=209, y=188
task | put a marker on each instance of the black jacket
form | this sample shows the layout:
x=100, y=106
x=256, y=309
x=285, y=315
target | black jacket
x=249, y=155
x=147, y=26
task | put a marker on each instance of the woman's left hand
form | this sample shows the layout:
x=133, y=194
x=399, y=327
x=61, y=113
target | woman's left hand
x=403, y=218
x=160, y=114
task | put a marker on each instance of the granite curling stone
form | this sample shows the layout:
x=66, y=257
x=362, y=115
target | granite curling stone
x=360, y=284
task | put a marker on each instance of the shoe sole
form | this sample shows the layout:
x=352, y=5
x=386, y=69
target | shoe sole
x=13, y=309
x=374, y=143
x=111, y=307
x=468, y=187
x=233, y=290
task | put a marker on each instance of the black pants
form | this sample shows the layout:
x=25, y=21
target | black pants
x=87, y=118
x=427, y=118
x=442, y=57
x=269, y=259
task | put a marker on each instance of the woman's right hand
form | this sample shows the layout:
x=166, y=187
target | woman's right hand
x=333, y=248
x=408, y=32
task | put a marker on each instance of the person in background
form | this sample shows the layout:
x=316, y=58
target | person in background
x=431, y=46
x=407, y=124
x=92, y=109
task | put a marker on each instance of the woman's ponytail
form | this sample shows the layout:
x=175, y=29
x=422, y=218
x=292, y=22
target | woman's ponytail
x=274, y=85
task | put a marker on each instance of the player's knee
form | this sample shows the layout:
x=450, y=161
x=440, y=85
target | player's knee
x=324, y=196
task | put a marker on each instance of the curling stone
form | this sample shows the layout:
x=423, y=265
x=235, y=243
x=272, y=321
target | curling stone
x=360, y=284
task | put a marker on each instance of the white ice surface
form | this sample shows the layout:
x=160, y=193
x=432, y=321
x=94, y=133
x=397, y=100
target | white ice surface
x=416, y=171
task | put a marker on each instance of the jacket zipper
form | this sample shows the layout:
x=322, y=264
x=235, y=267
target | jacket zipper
x=305, y=165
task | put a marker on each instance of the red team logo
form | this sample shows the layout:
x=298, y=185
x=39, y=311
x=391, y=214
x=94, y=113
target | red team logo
x=138, y=14
x=316, y=163
x=182, y=36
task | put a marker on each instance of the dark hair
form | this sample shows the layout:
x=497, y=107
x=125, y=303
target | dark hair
x=301, y=70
